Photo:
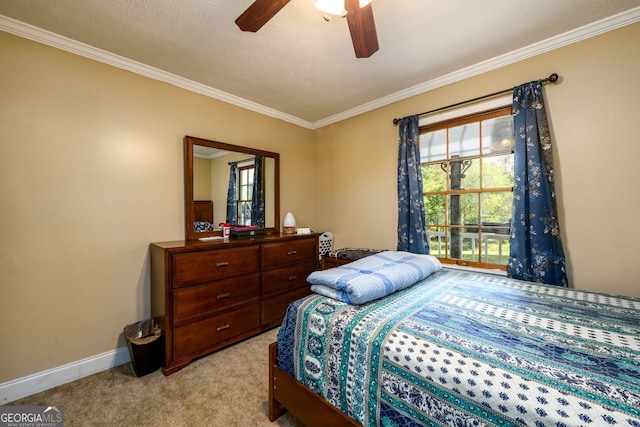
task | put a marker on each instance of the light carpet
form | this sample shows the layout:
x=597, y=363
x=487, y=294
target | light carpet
x=225, y=388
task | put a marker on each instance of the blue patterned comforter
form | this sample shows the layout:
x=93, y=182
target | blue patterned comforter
x=462, y=348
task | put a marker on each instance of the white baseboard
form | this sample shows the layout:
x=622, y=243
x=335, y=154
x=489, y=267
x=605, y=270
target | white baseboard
x=41, y=381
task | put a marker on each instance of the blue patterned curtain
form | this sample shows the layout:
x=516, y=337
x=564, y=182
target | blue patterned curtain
x=232, y=194
x=536, y=250
x=257, y=199
x=412, y=235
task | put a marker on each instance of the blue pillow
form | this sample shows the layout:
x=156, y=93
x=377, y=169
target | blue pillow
x=373, y=277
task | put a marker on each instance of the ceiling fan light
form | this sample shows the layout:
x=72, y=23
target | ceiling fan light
x=334, y=7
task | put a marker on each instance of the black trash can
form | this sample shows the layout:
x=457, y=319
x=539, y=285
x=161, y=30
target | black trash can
x=145, y=351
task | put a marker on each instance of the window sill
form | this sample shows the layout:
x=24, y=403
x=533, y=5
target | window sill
x=495, y=272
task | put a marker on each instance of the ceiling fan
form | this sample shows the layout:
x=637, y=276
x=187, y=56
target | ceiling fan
x=360, y=20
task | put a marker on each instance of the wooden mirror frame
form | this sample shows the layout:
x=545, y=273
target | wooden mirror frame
x=189, y=142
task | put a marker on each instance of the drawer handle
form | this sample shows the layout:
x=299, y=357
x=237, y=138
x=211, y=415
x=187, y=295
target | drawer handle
x=222, y=264
x=221, y=296
x=290, y=253
x=222, y=328
x=293, y=278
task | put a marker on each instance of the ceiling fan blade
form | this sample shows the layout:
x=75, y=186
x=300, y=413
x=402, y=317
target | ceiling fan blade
x=259, y=13
x=362, y=28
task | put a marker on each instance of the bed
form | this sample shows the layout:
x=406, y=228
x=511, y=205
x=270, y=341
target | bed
x=459, y=348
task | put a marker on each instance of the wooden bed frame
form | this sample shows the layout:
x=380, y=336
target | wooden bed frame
x=287, y=393
x=203, y=210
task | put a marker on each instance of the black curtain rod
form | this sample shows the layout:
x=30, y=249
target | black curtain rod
x=551, y=79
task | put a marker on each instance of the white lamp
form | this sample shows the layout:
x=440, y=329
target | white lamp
x=289, y=224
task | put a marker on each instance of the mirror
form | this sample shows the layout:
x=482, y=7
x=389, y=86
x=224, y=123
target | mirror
x=208, y=173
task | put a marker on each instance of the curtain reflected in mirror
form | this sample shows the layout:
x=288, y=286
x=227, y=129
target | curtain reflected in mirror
x=257, y=197
x=232, y=194
x=229, y=184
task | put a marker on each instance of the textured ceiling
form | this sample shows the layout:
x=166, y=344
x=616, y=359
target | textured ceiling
x=303, y=67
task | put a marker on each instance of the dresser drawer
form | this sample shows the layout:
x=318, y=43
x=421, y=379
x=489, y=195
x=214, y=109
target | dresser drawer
x=195, y=336
x=289, y=252
x=201, y=300
x=274, y=308
x=286, y=278
x=204, y=266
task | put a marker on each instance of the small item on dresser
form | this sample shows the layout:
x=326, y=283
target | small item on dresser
x=246, y=231
x=289, y=224
x=225, y=228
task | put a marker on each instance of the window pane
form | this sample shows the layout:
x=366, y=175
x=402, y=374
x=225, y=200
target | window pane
x=497, y=135
x=465, y=174
x=433, y=146
x=470, y=247
x=436, y=241
x=247, y=214
x=463, y=245
x=244, y=213
x=497, y=208
x=495, y=249
x=497, y=171
x=464, y=140
x=435, y=210
x=463, y=209
x=434, y=177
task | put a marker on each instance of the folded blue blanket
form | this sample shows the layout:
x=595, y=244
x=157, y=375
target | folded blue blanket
x=373, y=277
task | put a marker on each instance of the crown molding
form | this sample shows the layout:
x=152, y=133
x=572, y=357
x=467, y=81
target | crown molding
x=620, y=20
x=46, y=37
x=39, y=35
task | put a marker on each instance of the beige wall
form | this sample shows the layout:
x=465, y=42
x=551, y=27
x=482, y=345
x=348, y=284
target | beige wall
x=202, y=179
x=91, y=171
x=593, y=113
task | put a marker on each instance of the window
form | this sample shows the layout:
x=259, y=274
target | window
x=245, y=194
x=467, y=174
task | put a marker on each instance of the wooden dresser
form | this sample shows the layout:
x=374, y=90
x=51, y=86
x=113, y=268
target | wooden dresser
x=208, y=295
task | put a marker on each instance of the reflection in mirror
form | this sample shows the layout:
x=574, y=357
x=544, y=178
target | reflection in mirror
x=229, y=184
